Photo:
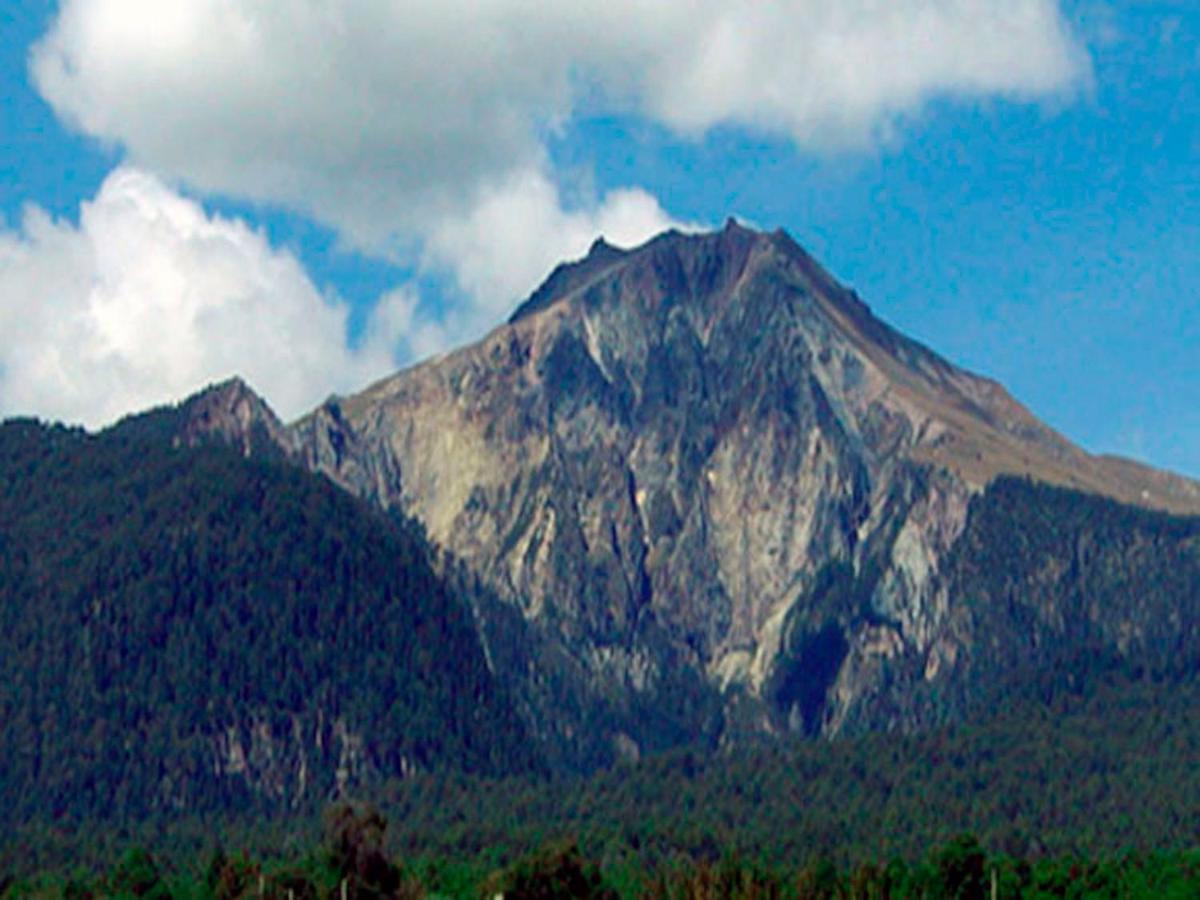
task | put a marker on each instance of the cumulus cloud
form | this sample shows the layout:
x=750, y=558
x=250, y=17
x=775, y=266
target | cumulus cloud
x=149, y=298
x=510, y=237
x=831, y=74
x=417, y=131
x=380, y=117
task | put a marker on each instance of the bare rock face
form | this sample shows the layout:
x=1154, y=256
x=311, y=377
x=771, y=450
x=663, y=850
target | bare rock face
x=716, y=489
x=232, y=414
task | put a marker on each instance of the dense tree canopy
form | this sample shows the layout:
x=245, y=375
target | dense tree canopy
x=185, y=630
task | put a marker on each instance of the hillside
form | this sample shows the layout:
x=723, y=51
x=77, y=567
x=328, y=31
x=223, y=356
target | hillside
x=188, y=630
x=1096, y=790
x=1086, y=775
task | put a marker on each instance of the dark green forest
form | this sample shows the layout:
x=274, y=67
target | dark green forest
x=1092, y=795
x=1112, y=771
x=1080, y=582
x=352, y=863
x=158, y=603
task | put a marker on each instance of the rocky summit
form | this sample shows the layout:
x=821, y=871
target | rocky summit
x=701, y=492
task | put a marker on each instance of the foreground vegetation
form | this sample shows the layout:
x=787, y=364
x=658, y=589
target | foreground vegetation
x=352, y=863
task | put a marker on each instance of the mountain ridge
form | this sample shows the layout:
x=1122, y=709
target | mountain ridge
x=1013, y=442
x=703, y=468
x=700, y=492
x=693, y=495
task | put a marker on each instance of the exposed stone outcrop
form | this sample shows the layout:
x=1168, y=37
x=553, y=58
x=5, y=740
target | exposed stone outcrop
x=231, y=413
x=718, y=491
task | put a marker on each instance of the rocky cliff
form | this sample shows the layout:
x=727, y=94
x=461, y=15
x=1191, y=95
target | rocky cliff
x=726, y=500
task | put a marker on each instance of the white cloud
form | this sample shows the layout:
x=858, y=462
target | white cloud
x=830, y=74
x=150, y=298
x=381, y=117
x=415, y=130
x=510, y=238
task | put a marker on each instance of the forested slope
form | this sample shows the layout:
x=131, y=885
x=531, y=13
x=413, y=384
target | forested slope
x=1082, y=776
x=187, y=629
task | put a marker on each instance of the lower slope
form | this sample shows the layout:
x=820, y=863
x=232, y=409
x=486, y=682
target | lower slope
x=1096, y=771
x=185, y=629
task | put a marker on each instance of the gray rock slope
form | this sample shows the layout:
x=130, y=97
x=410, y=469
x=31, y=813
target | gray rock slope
x=701, y=492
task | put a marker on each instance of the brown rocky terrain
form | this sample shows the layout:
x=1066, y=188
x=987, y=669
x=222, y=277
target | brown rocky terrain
x=720, y=492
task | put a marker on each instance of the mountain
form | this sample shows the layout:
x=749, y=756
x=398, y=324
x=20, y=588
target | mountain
x=693, y=493
x=712, y=496
x=186, y=630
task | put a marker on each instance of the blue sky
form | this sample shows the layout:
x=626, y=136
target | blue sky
x=1024, y=200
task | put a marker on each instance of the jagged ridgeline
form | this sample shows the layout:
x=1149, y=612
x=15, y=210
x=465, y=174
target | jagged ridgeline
x=185, y=628
x=739, y=505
